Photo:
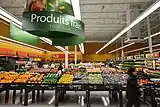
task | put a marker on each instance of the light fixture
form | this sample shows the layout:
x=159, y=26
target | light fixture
x=76, y=8
x=50, y=43
x=153, y=35
x=77, y=14
x=142, y=49
x=133, y=43
x=81, y=47
x=6, y=40
x=121, y=48
x=152, y=50
x=8, y=17
x=147, y=12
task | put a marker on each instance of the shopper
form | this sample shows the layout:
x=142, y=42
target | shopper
x=133, y=92
x=60, y=67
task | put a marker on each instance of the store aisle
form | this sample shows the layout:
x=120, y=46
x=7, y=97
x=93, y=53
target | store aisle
x=70, y=100
x=60, y=106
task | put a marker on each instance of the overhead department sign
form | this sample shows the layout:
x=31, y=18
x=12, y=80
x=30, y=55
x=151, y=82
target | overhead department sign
x=53, y=19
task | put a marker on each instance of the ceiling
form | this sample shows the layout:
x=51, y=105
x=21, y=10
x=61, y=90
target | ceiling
x=103, y=18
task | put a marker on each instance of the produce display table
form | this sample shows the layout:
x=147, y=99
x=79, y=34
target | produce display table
x=32, y=87
x=153, y=91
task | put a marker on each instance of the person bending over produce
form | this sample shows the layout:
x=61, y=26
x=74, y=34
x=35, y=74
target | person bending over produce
x=133, y=92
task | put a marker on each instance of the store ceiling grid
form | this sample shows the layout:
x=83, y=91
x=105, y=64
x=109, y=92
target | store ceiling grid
x=103, y=18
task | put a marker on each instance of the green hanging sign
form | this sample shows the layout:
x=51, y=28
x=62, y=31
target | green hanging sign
x=53, y=19
x=23, y=36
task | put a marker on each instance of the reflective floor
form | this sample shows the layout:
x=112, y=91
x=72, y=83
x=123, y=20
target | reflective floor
x=71, y=99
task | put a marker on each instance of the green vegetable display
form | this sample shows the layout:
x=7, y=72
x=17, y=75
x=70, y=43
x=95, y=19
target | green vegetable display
x=51, y=79
x=95, y=79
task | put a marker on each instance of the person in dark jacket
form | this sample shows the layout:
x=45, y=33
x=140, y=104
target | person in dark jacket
x=60, y=67
x=133, y=92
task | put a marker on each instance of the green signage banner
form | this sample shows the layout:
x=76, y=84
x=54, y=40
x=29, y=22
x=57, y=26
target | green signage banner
x=23, y=36
x=52, y=25
x=53, y=19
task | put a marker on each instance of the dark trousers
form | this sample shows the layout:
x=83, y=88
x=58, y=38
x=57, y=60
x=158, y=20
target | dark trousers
x=133, y=101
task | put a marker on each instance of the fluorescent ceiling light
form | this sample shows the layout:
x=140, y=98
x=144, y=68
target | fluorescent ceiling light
x=121, y=48
x=81, y=47
x=50, y=43
x=10, y=18
x=24, y=44
x=9, y=21
x=152, y=50
x=133, y=43
x=76, y=8
x=147, y=12
x=46, y=40
x=142, y=49
x=77, y=14
x=153, y=35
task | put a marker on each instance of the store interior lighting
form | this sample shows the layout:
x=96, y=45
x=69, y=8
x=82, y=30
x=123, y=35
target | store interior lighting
x=146, y=13
x=153, y=35
x=141, y=49
x=50, y=43
x=121, y=48
x=155, y=50
x=156, y=34
x=77, y=14
x=6, y=40
x=10, y=18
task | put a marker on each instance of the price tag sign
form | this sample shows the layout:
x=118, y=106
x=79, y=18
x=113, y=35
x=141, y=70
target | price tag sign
x=91, y=87
x=1, y=86
x=51, y=88
x=30, y=85
x=15, y=85
x=71, y=86
x=107, y=87
x=59, y=86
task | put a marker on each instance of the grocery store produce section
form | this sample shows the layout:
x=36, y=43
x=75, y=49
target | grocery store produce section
x=72, y=79
x=101, y=79
x=105, y=79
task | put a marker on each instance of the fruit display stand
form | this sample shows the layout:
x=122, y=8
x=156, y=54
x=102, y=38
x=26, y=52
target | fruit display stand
x=151, y=94
x=30, y=83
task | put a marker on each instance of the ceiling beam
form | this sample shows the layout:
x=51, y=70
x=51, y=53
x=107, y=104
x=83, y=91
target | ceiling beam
x=93, y=41
x=101, y=29
x=103, y=21
x=103, y=15
x=105, y=26
x=113, y=31
x=113, y=18
x=112, y=1
x=11, y=6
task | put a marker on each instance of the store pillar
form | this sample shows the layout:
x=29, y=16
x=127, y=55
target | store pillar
x=66, y=57
x=75, y=54
x=122, y=51
x=129, y=33
x=149, y=35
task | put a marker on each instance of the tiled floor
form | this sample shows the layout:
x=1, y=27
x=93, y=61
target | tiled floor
x=70, y=100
